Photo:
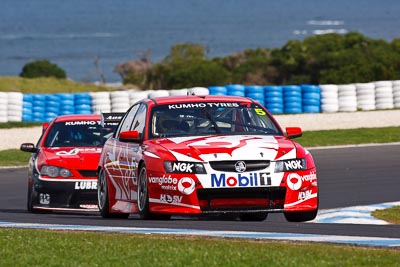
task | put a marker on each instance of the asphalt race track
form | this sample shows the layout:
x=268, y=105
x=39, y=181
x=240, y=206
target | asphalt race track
x=347, y=176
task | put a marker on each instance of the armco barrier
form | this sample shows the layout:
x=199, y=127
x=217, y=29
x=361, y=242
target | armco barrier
x=287, y=99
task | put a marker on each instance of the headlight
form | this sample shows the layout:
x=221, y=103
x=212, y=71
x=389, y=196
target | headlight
x=184, y=167
x=290, y=165
x=54, y=171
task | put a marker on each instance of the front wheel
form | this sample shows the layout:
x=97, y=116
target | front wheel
x=103, y=199
x=31, y=197
x=143, y=194
x=301, y=216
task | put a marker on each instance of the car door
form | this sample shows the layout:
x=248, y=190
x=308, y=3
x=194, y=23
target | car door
x=123, y=173
x=114, y=156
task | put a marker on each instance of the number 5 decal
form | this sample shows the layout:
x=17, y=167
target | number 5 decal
x=260, y=112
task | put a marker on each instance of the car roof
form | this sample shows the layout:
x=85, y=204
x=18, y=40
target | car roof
x=197, y=98
x=77, y=117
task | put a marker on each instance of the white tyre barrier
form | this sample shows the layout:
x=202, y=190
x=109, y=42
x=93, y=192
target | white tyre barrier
x=329, y=108
x=365, y=96
x=14, y=106
x=135, y=96
x=178, y=92
x=384, y=96
x=158, y=93
x=119, y=101
x=347, y=97
x=198, y=91
x=383, y=84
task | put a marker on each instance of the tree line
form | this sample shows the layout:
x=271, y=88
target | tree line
x=321, y=59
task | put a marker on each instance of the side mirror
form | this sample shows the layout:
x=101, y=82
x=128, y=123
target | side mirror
x=129, y=136
x=28, y=147
x=293, y=132
x=44, y=126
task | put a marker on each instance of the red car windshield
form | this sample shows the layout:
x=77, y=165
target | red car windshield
x=188, y=119
x=78, y=134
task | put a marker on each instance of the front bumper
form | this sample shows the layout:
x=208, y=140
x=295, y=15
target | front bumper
x=65, y=195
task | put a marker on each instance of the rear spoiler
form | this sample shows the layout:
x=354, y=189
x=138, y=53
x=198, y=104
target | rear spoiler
x=108, y=119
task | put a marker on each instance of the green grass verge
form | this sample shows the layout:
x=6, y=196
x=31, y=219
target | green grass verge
x=46, y=85
x=350, y=136
x=391, y=215
x=24, y=247
x=14, y=157
x=18, y=124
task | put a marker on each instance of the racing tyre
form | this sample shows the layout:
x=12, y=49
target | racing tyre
x=29, y=202
x=30, y=199
x=301, y=216
x=259, y=216
x=143, y=198
x=143, y=194
x=103, y=200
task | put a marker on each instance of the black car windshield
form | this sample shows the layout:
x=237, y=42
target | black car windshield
x=205, y=118
x=78, y=134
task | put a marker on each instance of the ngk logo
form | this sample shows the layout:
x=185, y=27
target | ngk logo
x=293, y=165
x=182, y=167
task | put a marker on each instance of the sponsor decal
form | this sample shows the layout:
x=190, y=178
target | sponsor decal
x=202, y=105
x=82, y=185
x=305, y=195
x=294, y=181
x=44, y=199
x=186, y=185
x=239, y=180
x=76, y=151
x=182, y=167
x=71, y=123
x=240, y=166
x=296, y=164
x=166, y=182
x=290, y=165
x=167, y=198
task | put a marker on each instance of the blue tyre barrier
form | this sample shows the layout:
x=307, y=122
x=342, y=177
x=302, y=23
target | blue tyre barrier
x=82, y=101
x=275, y=110
x=236, y=90
x=274, y=105
x=218, y=90
x=293, y=110
x=311, y=109
x=308, y=88
x=254, y=89
x=290, y=105
x=311, y=102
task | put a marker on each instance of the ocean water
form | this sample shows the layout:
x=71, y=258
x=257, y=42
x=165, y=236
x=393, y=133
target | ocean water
x=74, y=33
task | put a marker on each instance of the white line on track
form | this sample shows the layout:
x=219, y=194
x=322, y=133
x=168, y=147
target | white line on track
x=353, y=215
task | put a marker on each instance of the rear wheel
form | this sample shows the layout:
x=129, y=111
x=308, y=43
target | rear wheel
x=257, y=216
x=301, y=216
x=103, y=199
x=143, y=194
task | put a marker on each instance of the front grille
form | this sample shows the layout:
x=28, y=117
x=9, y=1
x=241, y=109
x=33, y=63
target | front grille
x=88, y=173
x=241, y=199
x=229, y=165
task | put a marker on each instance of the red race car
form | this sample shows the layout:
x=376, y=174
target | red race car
x=63, y=167
x=196, y=155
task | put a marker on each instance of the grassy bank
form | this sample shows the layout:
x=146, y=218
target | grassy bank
x=23, y=247
x=47, y=85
